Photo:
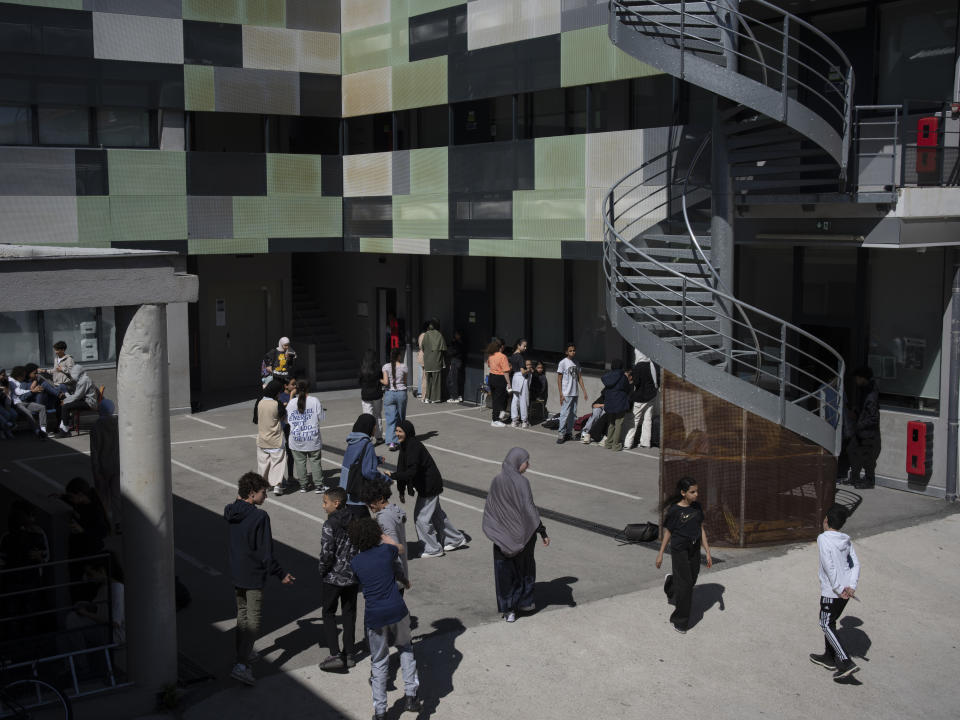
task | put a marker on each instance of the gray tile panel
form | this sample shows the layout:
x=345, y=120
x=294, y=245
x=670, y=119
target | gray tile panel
x=210, y=217
x=321, y=15
x=37, y=171
x=579, y=14
x=149, y=8
x=401, y=172
x=244, y=90
x=504, y=69
x=492, y=167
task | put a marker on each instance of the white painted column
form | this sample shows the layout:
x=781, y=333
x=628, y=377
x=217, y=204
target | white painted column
x=147, y=492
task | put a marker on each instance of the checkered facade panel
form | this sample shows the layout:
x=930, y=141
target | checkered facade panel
x=342, y=59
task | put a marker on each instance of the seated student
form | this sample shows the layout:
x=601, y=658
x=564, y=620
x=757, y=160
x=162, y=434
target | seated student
x=84, y=395
x=8, y=415
x=386, y=617
x=20, y=389
x=596, y=413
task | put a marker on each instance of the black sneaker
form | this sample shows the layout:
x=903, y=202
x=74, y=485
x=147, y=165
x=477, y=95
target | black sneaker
x=864, y=485
x=845, y=668
x=561, y=440
x=826, y=660
x=412, y=704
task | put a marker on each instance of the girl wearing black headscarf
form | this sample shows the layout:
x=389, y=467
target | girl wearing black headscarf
x=418, y=473
x=512, y=521
x=360, y=447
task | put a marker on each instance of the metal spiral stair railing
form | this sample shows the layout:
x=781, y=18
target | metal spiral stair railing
x=662, y=299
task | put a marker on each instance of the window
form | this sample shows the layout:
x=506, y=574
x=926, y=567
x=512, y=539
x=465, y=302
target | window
x=15, y=126
x=370, y=133
x=304, y=135
x=652, y=101
x=126, y=128
x=25, y=337
x=226, y=132
x=547, y=330
x=546, y=113
x=610, y=106
x=487, y=120
x=64, y=126
x=423, y=127
x=589, y=311
x=917, y=46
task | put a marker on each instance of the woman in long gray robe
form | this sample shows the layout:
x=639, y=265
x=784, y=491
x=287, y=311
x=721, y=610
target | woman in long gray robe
x=512, y=522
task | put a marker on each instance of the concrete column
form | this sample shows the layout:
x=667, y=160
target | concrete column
x=147, y=493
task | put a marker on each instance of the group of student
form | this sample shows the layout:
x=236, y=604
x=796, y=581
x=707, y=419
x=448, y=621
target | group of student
x=521, y=380
x=45, y=399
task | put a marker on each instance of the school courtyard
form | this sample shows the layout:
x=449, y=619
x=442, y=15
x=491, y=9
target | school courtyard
x=599, y=643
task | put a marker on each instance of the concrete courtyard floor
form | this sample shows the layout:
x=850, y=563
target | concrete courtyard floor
x=599, y=643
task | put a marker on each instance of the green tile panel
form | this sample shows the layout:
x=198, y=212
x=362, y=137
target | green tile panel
x=376, y=245
x=560, y=162
x=198, y=88
x=421, y=216
x=399, y=33
x=366, y=49
x=549, y=215
x=93, y=221
x=499, y=247
x=147, y=172
x=287, y=216
x=156, y=217
x=588, y=56
x=420, y=84
x=270, y=13
x=228, y=246
x=293, y=174
x=428, y=170
x=411, y=246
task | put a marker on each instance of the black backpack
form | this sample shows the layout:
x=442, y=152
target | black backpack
x=355, y=477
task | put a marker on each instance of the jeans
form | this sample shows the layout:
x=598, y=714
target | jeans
x=433, y=526
x=380, y=639
x=375, y=408
x=249, y=611
x=395, y=410
x=568, y=414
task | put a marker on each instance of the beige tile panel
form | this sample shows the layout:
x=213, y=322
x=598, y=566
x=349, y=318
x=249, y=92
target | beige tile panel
x=293, y=50
x=357, y=14
x=411, y=246
x=612, y=155
x=369, y=174
x=368, y=92
x=495, y=22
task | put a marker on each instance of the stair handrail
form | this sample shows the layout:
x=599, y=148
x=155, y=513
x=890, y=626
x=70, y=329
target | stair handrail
x=843, y=109
x=720, y=298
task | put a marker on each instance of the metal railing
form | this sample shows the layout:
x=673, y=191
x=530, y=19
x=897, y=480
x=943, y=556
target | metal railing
x=761, y=349
x=790, y=55
x=878, y=135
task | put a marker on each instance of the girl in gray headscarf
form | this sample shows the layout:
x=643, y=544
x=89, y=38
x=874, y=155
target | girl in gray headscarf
x=511, y=521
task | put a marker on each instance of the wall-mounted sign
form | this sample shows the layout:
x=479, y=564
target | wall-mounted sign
x=221, y=312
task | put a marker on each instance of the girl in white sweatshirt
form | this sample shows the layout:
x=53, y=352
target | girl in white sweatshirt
x=839, y=573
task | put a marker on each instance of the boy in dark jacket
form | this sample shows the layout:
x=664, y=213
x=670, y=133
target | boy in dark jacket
x=864, y=447
x=339, y=584
x=251, y=560
x=616, y=403
x=386, y=617
x=417, y=472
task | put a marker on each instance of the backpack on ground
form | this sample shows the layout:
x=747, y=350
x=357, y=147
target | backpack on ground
x=552, y=422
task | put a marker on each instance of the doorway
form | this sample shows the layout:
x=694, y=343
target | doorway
x=387, y=324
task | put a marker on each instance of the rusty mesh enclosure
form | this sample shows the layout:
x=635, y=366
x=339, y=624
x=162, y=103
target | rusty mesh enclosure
x=759, y=483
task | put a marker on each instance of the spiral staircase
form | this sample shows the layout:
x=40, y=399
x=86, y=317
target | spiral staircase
x=783, y=116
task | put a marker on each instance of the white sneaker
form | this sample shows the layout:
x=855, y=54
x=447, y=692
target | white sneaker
x=277, y=490
x=63, y=427
x=504, y=415
x=497, y=423
x=243, y=674
x=515, y=424
x=525, y=425
x=432, y=555
x=453, y=400
x=455, y=546
x=510, y=616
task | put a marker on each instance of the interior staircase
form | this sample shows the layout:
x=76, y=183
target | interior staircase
x=784, y=116
x=336, y=367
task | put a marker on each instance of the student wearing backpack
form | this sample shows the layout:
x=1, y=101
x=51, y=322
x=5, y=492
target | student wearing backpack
x=644, y=397
x=362, y=460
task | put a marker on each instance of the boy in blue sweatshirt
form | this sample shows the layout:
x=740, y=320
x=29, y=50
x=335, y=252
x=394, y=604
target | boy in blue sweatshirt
x=251, y=560
x=386, y=617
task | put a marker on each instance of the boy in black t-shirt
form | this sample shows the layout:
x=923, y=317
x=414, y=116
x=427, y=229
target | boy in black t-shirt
x=683, y=529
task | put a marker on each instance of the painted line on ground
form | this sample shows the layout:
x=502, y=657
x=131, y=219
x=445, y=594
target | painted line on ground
x=54, y=485
x=535, y=472
x=548, y=433
x=228, y=437
x=205, y=422
x=213, y=572
x=413, y=415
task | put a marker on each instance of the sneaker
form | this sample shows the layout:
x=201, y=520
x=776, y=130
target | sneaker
x=242, y=673
x=585, y=439
x=561, y=440
x=845, y=668
x=253, y=657
x=393, y=447
x=306, y=486
x=525, y=425
x=427, y=402
x=432, y=555
x=497, y=423
x=528, y=608
x=668, y=585
x=679, y=629
x=378, y=716
x=320, y=489
x=826, y=660
x=510, y=616
x=278, y=490
x=64, y=428
x=332, y=663
x=455, y=546
x=41, y=434
x=453, y=400
x=515, y=423
x=348, y=661
x=412, y=704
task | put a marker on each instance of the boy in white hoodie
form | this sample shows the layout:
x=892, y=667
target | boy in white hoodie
x=839, y=573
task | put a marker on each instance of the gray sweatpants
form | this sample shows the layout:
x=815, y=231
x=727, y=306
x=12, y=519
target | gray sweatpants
x=433, y=526
x=380, y=640
x=28, y=409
